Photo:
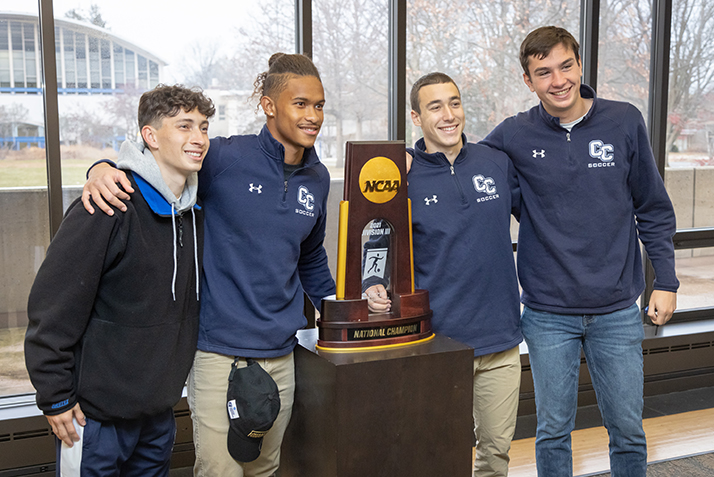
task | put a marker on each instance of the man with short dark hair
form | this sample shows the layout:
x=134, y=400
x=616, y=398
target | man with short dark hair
x=462, y=197
x=113, y=312
x=589, y=190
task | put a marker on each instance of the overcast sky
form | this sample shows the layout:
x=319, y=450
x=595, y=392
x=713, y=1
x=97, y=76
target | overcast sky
x=165, y=31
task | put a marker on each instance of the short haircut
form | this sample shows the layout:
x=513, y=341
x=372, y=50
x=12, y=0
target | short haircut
x=168, y=101
x=541, y=41
x=281, y=68
x=426, y=80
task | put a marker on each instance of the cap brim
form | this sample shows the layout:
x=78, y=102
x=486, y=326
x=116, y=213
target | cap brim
x=243, y=448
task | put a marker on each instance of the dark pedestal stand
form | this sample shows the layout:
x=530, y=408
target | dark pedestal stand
x=400, y=412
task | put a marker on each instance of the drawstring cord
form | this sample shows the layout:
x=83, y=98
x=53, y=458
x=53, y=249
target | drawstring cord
x=195, y=251
x=173, y=281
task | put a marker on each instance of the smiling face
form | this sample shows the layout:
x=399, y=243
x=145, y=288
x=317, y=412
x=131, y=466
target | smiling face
x=179, y=146
x=556, y=80
x=441, y=118
x=295, y=116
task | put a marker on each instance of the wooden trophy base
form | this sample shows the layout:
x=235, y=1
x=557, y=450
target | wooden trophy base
x=348, y=323
x=398, y=412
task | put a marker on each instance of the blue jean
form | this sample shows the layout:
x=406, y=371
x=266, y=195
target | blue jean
x=612, y=344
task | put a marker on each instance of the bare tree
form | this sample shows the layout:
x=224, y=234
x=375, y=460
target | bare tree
x=691, y=79
x=93, y=16
x=350, y=51
x=122, y=109
x=10, y=116
x=477, y=42
x=84, y=126
x=624, y=51
x=203, y=65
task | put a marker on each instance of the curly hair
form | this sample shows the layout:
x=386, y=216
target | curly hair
x=541, y=41
x=167, y=101
x=281, y=68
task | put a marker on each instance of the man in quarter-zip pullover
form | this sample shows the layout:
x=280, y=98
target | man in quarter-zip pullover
x=589, y=190
x=462, y=197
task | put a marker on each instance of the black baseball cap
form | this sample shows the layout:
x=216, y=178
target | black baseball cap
x=253, y=405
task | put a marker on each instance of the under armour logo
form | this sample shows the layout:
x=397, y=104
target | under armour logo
x=540, y=153
x=429, y=201
x=259, y=188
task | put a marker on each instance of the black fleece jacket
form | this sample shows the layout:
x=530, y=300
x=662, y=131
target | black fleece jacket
x=104, y=328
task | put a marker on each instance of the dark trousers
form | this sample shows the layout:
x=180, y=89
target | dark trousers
x=130, y=448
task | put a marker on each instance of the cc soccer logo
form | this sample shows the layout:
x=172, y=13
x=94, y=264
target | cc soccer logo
x=379, y=180
x=605, y=152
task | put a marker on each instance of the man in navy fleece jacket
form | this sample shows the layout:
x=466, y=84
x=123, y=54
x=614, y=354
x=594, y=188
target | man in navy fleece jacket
x=589, y=190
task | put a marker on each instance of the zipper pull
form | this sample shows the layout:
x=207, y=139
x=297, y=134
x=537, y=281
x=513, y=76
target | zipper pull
x=286, y=185
x=180, y=227
x=568, y=136
x=452, y=169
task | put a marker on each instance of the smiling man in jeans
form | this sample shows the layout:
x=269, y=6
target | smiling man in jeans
x=589, y=190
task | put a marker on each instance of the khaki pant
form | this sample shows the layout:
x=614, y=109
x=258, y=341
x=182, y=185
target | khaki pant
x=207, y=388
x=497, y=381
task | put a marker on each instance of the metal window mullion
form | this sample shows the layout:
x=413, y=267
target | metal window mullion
x=303, y=27
x=49, y=95
x=397, y=97
x=589, y=38
x=659, y=80
x=657, y=104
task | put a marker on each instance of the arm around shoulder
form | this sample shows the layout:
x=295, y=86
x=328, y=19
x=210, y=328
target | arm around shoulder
x=101, y=187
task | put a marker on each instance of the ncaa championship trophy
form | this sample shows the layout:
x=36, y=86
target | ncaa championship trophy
x=378, y=394
x=375, y=209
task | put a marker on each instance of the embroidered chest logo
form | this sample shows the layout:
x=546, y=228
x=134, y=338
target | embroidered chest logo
x=540, y=153
x=485, y=185
x=429, y=201
x=258, y=188
x=307, y=200
x=602, y=151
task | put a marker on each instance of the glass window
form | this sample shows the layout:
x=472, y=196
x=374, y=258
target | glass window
x=624, y=51
x=119, y=67
x=695, y=270
x=81, y=56
x=94, y=73
x=477, y=43
x=690, y=120
x=106, y=58
x=58, y=56
x=30, y=63
x=24, y=234
x=143, y=73
x=17, y=56
x=69, y=58
x=350, y=47
x=153, y=74
x=4, y=55
x=130, y=68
